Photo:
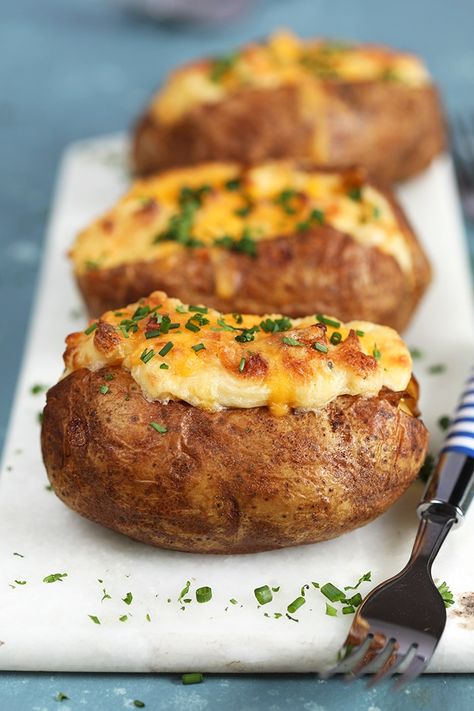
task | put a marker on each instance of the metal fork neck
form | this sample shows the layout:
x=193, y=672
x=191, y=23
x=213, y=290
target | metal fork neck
x=433, y=529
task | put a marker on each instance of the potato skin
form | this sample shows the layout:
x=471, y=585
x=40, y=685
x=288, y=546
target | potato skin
x=236, y=481
x=392, y=129
x=322, y=270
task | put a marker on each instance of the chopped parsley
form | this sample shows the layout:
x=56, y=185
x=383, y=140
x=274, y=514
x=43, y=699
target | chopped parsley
x=315, y=216
x=244, y=245
x=54, y=578
x=198, y=309
x=36, y=389
x=285, y=199
x=158, y=428
x=446, y=594
x=243, y=211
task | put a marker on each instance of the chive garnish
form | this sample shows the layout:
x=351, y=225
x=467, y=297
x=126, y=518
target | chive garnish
x=204, y=594
x=247, y=334
x=94, y=619
x=138, y=704
x=320, y=347
x=263, y=594
x=336, y=338
x=296, y=604
x=166, y=349
x=332, y=593
x=199, y=309
x=108, y=376
x=91, y=328
x=243, y=211
x=376, y=353
x=191, y=326
x=180, y=309
x=123, y=618
x=360, y=333
x=242, y=364
x=327, y=321
x=444, y=422
x=436, y=369
x=330, y=610
x=158, y=428
x=348, y=610
x=61, y=697
x=164, y=366
x=153, y=334
x=198, y=347
x=270, y=325
x=233, y=184
x=291, y=341
x=104, y=389
x=36, y=389
x=355, y=194
x=366, y=578
x=192, y=678
x=128, y=598
x=147, y=355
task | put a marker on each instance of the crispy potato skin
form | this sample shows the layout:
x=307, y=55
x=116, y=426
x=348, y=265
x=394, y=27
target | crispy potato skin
x=392, y=129
x=322, y=270
x=236, y=481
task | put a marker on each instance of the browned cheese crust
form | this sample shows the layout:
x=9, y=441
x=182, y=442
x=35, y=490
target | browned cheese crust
x=322, y=269
x=393, y=129
x=235, y=481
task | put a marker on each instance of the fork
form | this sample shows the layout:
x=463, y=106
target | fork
x=462, y=145
x=399, y=624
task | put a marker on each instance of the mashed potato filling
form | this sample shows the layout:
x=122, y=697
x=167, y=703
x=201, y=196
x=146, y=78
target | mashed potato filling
x=283, y=59
x=221, y=206
x=214, y=361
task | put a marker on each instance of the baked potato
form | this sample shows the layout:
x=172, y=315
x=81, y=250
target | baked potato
x=331, y=103
x=277, y=237
x=196, y=431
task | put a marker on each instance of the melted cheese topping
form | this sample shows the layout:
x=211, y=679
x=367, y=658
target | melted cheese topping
x=214, y=361
x=282, y=60
x=214, y=205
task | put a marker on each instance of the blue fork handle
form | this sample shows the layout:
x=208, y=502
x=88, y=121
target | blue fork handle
x=450, y=489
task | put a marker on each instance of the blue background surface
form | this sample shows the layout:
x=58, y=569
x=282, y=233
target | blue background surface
x=75, y=69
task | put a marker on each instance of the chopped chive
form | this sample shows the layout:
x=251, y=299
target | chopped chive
x=36, y=389
x=296, y=604
x=427, y=468
x=355, y=194
x=20, y=582
x=233, y=184
x=191, y=326
x=94, y=619
x=181, y=309
x=238, y=318
x=91, y=328
x=108, y=376
x=104, y=389
x=138, y=704
x=164, y=366
x=336, y=338
x=366, y=578
x=416, y=354
x=348, y=610
x=436, y=369
x=166, y=349
x=61, y=697
x=204, y=594
x=355, y=600
x=147, y=355
x=198, y=347
x=233, y=601
x=123, y=618
x=327, y=321
x=153, y=333
x=277, y=589
x=360, y=333
x=148, y=617
x=376, y=212
x=263, y=594
x=444, y=422
x=243, y=211
x=199, y=309
x=158, y=428
x=320, y=347
x=376, y=353
x=317, y=216
x=192, y=678
x=332, y=593
x=291, y=341
x=242, y=364
x=330, y=610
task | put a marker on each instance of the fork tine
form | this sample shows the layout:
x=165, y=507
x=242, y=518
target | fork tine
x=377, y=662
x=350, y=662
x=389, y=670
x=415, y=668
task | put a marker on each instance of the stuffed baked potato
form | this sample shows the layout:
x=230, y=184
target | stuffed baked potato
x=195, y=431
x=331, y=103
x=272, y=238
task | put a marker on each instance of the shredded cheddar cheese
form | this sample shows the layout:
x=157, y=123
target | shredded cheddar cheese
x=223, y=206
x=214, y=361
x=283, y=59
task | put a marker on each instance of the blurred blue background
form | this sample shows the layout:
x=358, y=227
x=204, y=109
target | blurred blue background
x=71, y=69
